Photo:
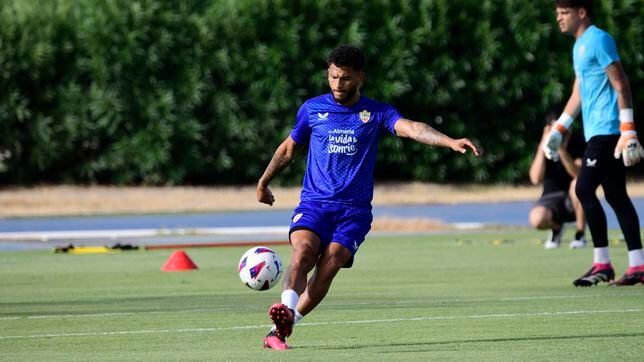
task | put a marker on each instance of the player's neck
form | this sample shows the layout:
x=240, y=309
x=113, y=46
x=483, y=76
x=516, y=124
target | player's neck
x=351, y=101
x=581, y=29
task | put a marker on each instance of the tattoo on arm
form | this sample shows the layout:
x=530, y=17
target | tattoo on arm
x=423, y=133
x=277, y=164
x=281, y=158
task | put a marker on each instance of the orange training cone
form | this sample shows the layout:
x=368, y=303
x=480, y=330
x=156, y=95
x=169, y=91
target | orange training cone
x=179, y=261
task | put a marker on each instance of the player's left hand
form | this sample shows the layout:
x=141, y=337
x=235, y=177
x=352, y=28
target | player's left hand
x=462, y=144
x=630, y=149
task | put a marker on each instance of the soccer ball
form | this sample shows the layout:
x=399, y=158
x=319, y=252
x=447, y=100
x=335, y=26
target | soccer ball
x=260, y=268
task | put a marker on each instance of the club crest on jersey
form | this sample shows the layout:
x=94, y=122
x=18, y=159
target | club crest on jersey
x=365, y=116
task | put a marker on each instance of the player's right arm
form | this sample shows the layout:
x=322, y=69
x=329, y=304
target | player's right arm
x=284, y=154
x=538, y=166
x=573, y=106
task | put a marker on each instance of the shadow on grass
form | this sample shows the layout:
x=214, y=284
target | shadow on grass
x=466, y=341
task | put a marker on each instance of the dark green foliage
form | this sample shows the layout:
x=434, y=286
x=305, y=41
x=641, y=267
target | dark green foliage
x=170, y=92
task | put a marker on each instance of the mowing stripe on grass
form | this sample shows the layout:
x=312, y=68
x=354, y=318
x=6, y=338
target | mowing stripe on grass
x=369, y=321
x=325, y=305
x=113, y=314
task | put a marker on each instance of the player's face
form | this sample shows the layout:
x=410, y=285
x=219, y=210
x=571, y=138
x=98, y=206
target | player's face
x=345, y=83
x=568, y=19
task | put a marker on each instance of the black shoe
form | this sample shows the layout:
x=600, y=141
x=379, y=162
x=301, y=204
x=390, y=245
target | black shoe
x=598, y=273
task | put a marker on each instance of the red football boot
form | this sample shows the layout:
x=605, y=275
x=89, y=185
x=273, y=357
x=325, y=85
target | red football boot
x=634, y=275
x=598, y=273
x=272, y=341
x=283, y=318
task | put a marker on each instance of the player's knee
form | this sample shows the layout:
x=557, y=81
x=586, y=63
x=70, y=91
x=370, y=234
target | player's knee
x=336, y=261
x=538, y=217
x=337, y=258
x=304, y=254
x=615, y=196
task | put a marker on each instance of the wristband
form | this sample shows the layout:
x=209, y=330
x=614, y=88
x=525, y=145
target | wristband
x=626, y=115
x=626, y=122
x=563, y=123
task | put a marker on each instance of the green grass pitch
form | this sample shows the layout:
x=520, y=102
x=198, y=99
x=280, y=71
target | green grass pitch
x=494, y=295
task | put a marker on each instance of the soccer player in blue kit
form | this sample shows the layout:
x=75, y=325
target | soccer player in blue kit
x=602, y=91
x=341, y=129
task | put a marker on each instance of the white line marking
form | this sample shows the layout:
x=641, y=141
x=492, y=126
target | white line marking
x=505, y=299
x=323, y=306
x=469, y=225
x=115, y=314
x=370, y=321
x=45, y=236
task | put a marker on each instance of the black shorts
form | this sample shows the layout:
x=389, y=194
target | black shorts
x=559, y=204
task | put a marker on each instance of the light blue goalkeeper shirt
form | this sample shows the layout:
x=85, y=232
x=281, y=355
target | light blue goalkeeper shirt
x=593, y=52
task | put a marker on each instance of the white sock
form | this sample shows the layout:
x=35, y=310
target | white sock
x=298, y=317
x=601, y=255
x=636, y=257
x=290, y=298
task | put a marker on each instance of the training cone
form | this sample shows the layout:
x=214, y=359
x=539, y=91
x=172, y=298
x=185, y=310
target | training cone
x=179, y=261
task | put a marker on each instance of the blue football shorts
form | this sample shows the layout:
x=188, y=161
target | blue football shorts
x=336, y=223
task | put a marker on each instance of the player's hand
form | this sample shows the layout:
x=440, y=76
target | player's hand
x=630, y=149
x=551, y=145
x=264, y=195
x=462, y=144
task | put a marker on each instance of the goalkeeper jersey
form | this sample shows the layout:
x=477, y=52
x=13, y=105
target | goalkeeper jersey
x=595, y=50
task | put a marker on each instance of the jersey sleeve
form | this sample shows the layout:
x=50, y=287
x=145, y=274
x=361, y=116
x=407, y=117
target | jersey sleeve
x=606, y=51
x=302, y=130
x=391, y=116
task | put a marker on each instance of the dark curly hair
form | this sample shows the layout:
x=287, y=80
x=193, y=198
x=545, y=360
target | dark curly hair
x=346, y=56
x=576, y=4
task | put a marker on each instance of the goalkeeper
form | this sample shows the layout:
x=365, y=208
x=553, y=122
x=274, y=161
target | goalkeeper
x=602, y=92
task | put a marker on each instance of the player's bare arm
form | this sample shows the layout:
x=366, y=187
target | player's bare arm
x=538, y=166
x=423, y=133
x=573, y=106
x=628, y=146
x=620, y=83
x=284, y=154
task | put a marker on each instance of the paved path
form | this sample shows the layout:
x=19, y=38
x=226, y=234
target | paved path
x=245, y=225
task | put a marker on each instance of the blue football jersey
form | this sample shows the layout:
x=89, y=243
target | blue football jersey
x=595, y=50
x=343, y=144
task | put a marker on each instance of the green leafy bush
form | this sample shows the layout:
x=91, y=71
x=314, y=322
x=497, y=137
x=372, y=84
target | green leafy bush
x=202, y=92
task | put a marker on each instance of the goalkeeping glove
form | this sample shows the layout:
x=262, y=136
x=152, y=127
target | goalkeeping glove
x=628, y=146
x=555, y=137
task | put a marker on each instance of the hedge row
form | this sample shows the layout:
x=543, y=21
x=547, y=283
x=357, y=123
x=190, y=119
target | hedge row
x=201, y=92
